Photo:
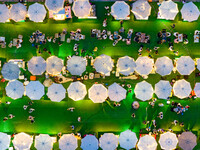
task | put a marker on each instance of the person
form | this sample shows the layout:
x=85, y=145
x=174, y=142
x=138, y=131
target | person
x=156, y=48
x=116, y=104
x=72, y=126
x=175, y=122
x=79, y=119
x=25, y=107
x=30, y=103
x=173, y=26
x=31, y=110
x=71, y=109
x=182, y=124
x=133, y=115
x=7, y=102
x=30, y=117
x=32, y=121
x=11, y=116
x=154, y=123
x=160, y=115
x=121, y=23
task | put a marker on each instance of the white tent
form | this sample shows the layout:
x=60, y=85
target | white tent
x=144, y=65
x=37, y=65
x=197, y=89
x=76, y=91
x=147, y=142
x=198, y=64
x=4, y=141
x=56, y=92
x=54, y=5
x=22, y=141
x=141, y=9
x=89, y=142
x=68, y=142
x=76, y=65
x=35, y=90
x=168, y=10
x=103, y=64
x=143, y=91
x=126, y=65
x=37, y=12
x=120, y=10
x=15, y=89
x=54, y=65
x=185, y=65
x=108, y=141
x=81, y=8
x=98, y=93
x=190, y=12
x=168, y=141
x=163, y=89
x=10, y=71
x=4, y=13
x=187, y=140
x=18, y=12
x=127, y=139
x=182, y=89
x=43, y=142
x=164, y=66
x=116, y=92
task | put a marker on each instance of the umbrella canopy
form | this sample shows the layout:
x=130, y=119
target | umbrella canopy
x=35, y=90
x=182, y=89
x=22, y=141
x=10, y=71
x=168, y=141
x=127, y=139
x=197, y=89
x=163, y=89
x=37, y=12
x=147, y=142
x=126, y=65
x=54, y=5
x=98, y=93
x=54, y=65
x=89, y=142
x=141, y=9
x=4, y=13
x=168, y=10
x=4, y=141
x=144, y=65
x=187, y=140
x=68, y=142
x=198, y=64
x=37, y=65
x=103, y=64
x=120, y=10
x=143, y=91
x=56, y=92
x=190, y=12
x=18, y=12
x=164, y=66
x=81, y=8
x=43, y=142
x=116, y=92
x=185, y=65
x=76, y=65
x=76, y=91
x=15, y=89
x=108, y=141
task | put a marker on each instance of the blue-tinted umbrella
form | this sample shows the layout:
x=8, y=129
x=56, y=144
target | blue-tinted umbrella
x=54, y=65
x=56, y=92
x=18, y=12
x=120, y=10
x=10, y=71
x=89, y=142
x=54, y=5
x=37, y=65
x=15, y=89
x=81, y=8
x=37, y=12
x=35, y=90
x=163, y=89
x=4, y=13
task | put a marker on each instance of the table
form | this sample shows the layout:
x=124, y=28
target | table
x=196, y=38
x=142, y=37
x=180, y=37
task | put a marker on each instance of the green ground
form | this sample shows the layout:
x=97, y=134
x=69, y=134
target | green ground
x=52, y=118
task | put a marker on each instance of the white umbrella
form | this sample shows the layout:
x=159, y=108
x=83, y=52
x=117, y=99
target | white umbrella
x=18, y=12
x=35, y=90
x=4, y=141
x=197, y=89
x=103, y=64
x=198, y=64
x=108, y=141
x=54, y=5
x=54, y=65
x=141, y=9
x=168, y=141
x=37, y=65
x=182, y=89
x=144, y=65
x=147, y=142
x=37, y=12
x=163, y=89
x=89, y=142
x=190, y=12
x=22, y=141
x=185, y=65
x=15, y=89
x=76, y=65
x=126, y=65
x=98, y=93
x=56, y=92
x=187, y=140
x=4, y=13
x=164, y=66
x=68, y=142
x=143, y=91
x=116, y=92
x=76, y=91
x=168, y=10
x=120, y=10
x=81, y=8
x=127, y=139
x=10, y=71
x=43, y=142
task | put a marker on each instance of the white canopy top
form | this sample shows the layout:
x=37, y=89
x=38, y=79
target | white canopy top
x=68, y=142
x=164, y=66
x=108, y=141
x=37, y=65
x=4, y=13
x=15, y=89
x=144, y=65
x=168, y=141
x=56, y=92
x=147, y=142
x=43, y=142
x=163, y=89
x=81, y=8
x=187, y=140
x=185, y=65
x=54, y=65
x=22, y=141
x=89, y=142
x=35, y=90
x=18, y=12
x=120, y=10
x=37, y=12
x=197, y=89
x=54, y=5
x=4, y=141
